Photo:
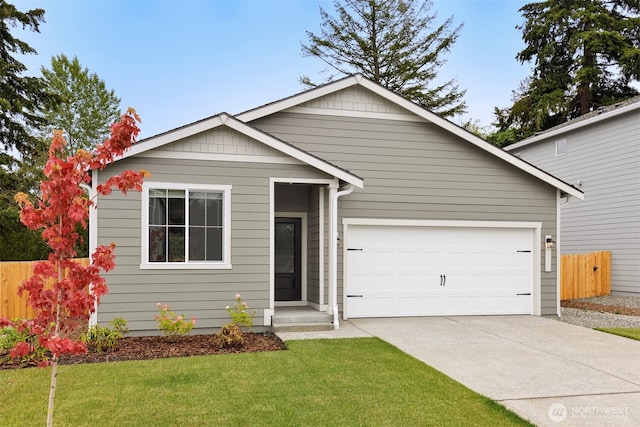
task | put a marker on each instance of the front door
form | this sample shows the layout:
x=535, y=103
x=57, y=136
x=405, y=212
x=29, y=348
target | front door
x=288, y=263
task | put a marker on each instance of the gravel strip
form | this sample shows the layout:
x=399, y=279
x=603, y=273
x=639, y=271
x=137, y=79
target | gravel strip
x=595, y=319
x=617, y=300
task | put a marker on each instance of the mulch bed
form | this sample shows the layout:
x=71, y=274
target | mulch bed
x=158, y=347
x=629, y=311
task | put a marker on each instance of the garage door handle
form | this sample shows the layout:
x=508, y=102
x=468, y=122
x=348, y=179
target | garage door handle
x=354, y=249
x=443, y=279
x=526, y=293
x=354, y=296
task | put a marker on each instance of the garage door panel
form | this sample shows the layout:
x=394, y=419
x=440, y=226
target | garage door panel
x=421, y=271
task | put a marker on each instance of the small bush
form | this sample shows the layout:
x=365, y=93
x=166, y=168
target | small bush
x=229, y=336
x=104, y=338
x=13, y=335
x=240, y=317
x=173, y=325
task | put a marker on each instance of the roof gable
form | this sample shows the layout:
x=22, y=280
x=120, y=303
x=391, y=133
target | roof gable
x=395, y=106
x=228, y=121
x=305, y=99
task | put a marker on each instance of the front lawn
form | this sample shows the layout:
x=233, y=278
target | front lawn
x=633, y=333
x=342, y=382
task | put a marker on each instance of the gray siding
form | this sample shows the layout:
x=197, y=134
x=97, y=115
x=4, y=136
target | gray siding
x=313, y=248
x=416, y=170
x=605, y=157
x=133, y=293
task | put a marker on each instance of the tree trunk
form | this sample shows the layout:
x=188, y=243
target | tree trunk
x=52, y=391
x=54, y=368
x=584, y=90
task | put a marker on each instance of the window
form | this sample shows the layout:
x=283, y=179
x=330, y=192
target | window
x=186, y=226
x=561, y=147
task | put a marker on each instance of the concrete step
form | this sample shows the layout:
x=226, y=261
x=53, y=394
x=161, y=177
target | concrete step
x=300, y=319
x=306, y=317
x=301, y=327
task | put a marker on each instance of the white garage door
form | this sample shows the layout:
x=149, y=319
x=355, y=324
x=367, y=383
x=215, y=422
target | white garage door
x=430, y=271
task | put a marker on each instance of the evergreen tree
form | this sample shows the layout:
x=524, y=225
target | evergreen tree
x=390, y=42
x=21, y=100
x=83, y=107
x=20, y=96
x=586, y=54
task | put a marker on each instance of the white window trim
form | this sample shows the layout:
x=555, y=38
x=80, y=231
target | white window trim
x=562, y=143
x=226, y=230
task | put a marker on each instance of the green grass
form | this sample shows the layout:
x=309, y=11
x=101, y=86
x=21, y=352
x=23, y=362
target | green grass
x=633, y=333
x=344, y=382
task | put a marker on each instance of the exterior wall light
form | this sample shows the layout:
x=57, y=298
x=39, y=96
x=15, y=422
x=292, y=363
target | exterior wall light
x=549, y=242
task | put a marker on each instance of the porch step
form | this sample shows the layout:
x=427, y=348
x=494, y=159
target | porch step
x=300, y=319
x=301, y=327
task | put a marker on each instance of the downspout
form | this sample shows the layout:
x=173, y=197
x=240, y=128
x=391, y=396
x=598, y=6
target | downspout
x=334, y=256
x=93, y=318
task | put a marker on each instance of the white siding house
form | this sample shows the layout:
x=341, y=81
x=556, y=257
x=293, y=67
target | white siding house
x=600, y=154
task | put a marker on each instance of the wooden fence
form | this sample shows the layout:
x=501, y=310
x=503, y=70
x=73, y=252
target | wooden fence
x=12, y=274
x=582, y=276
x=585, y=275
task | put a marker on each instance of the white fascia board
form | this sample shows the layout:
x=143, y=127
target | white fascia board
x=298, y=99
x=294, y=152
x=473, y=139
x=174, y=135
x=327, y=89
x=239, y=126
x=574, y=126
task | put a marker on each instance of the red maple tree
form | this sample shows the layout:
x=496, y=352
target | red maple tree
x=62, y=292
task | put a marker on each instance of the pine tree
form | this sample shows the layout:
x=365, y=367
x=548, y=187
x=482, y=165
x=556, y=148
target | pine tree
x=390, y=42
x=21, y=100
x=586, y=54
x=21, y=97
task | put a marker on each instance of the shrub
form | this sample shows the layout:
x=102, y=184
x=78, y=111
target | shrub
x=14, y=334
x=105, y=338
x=231, y=334
x=239, y=315
x=171, y=324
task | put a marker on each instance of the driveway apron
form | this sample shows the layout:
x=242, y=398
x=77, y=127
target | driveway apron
x=549, y=372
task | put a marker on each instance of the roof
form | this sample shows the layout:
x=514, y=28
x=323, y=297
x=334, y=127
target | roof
x=224, y=119
x=239, y=123
x=600, y=114
x=358, y=79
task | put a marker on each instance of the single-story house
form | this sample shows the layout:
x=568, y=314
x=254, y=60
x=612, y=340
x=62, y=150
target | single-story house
x=600, y=154
x=347, y=199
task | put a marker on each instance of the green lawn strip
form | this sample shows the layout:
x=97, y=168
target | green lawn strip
x=349, y=382
x=633, y=333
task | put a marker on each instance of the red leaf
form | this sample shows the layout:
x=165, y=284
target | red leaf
x=59, y=289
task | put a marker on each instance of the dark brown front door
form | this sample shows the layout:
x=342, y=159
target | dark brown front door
x=288, y=263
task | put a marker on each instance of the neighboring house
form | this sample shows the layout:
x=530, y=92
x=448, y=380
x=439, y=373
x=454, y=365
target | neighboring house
x=346, y=198
x=600, y=154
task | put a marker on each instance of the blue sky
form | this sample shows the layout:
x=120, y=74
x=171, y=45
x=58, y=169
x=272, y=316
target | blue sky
x=176, y=62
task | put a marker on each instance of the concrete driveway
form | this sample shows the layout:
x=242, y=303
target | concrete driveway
x=549, y=372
